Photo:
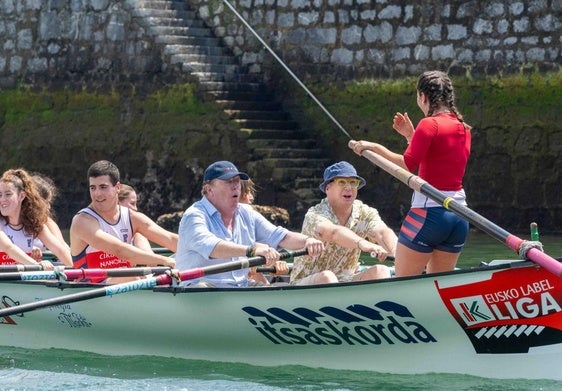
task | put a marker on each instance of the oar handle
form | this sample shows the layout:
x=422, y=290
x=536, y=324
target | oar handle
x=389, y=257
x=20, y=268
x=271, y=269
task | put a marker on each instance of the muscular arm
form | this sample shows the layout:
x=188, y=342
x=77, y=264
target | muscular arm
x=153, y=232
x=14, y=251
x=384, y=236
x=85, y=231
x=330, y=232
x=58, y=247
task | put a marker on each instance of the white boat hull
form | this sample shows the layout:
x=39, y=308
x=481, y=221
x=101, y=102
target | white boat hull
x=493, y=322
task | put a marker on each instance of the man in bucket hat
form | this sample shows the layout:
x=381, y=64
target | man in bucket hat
x=218, y=229
x=343, y=223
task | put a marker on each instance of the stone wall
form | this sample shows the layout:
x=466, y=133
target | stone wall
x=333, y=39
x=352, y=39
x=73, y=41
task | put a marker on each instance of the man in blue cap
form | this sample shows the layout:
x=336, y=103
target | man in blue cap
x=218, y=229
x=343, y=223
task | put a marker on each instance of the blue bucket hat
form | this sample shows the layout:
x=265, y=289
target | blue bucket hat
x=223, y=170
x=341, y=169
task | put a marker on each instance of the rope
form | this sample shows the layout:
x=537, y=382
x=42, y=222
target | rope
x=527, y=245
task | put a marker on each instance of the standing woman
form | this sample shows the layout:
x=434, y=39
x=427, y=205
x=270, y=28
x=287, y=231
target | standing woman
x=431, y=237
x=25, y=215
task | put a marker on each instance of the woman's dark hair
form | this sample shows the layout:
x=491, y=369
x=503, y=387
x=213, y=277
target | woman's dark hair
x=34, y=209
x=438, y=88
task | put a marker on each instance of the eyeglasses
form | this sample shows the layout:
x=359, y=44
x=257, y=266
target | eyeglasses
x=354, y=183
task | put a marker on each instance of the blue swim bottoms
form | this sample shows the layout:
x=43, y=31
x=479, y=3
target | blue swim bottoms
x=428, y=229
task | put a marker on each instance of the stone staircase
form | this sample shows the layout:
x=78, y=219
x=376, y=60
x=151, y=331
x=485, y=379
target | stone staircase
x=284, y=157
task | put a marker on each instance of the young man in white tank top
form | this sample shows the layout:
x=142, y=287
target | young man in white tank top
x=101, y=234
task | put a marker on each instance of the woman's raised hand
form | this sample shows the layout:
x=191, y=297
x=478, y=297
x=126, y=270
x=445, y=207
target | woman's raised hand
x=403, y=125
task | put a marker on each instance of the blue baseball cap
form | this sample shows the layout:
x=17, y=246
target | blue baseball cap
x=340, y=169
x=223, y=170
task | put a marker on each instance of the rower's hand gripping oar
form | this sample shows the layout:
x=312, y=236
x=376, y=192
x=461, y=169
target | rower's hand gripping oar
x=148, y=283
x=526, y=249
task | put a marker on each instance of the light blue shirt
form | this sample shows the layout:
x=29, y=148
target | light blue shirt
x=201, y=228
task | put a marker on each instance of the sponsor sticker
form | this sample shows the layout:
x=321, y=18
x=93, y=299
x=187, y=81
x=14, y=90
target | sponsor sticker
x=514, y=310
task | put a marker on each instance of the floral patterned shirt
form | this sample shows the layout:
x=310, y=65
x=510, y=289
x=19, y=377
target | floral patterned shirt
x=344, y=262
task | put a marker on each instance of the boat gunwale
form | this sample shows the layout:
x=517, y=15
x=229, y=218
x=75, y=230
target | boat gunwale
x=175, y=289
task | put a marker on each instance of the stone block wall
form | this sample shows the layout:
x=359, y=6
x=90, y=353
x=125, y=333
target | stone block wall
x=352, y=39
x=73, y=40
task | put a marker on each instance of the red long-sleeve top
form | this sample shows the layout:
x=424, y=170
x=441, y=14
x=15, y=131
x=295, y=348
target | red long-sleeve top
x=439, y=150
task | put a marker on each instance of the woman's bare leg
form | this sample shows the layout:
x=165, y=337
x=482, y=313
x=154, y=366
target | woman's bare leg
x=442, y=261
x=409, y=262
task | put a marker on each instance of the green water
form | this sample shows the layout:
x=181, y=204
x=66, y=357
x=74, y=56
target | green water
x=52, y=369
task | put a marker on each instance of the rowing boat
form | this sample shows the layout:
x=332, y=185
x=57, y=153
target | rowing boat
x=500, y=320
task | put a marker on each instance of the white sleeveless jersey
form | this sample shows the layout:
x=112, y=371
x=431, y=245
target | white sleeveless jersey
x=20, y=238
x=91, y=257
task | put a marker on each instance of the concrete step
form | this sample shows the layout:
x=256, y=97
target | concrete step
x=180, y=31
x=258, y=115
x=273, y=134
x=309, y=183
x=311, y=194
x=274, y=152
x=173, y=22
x=276, y=170
x=160, y=4
x=267, y=124
x=207, y=41
x=292, y=174
x=231, y=77
x=163, y=13
x=214, y=68
x=171, y=49
x=257, y=105
x=231, y=86
x=281, y=143
x=304, y=162
x=243, y=96
x=201, y=59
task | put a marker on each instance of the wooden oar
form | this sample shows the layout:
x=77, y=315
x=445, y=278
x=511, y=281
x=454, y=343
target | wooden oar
x=416, y=183
x=75, y=274
x=147, y=283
